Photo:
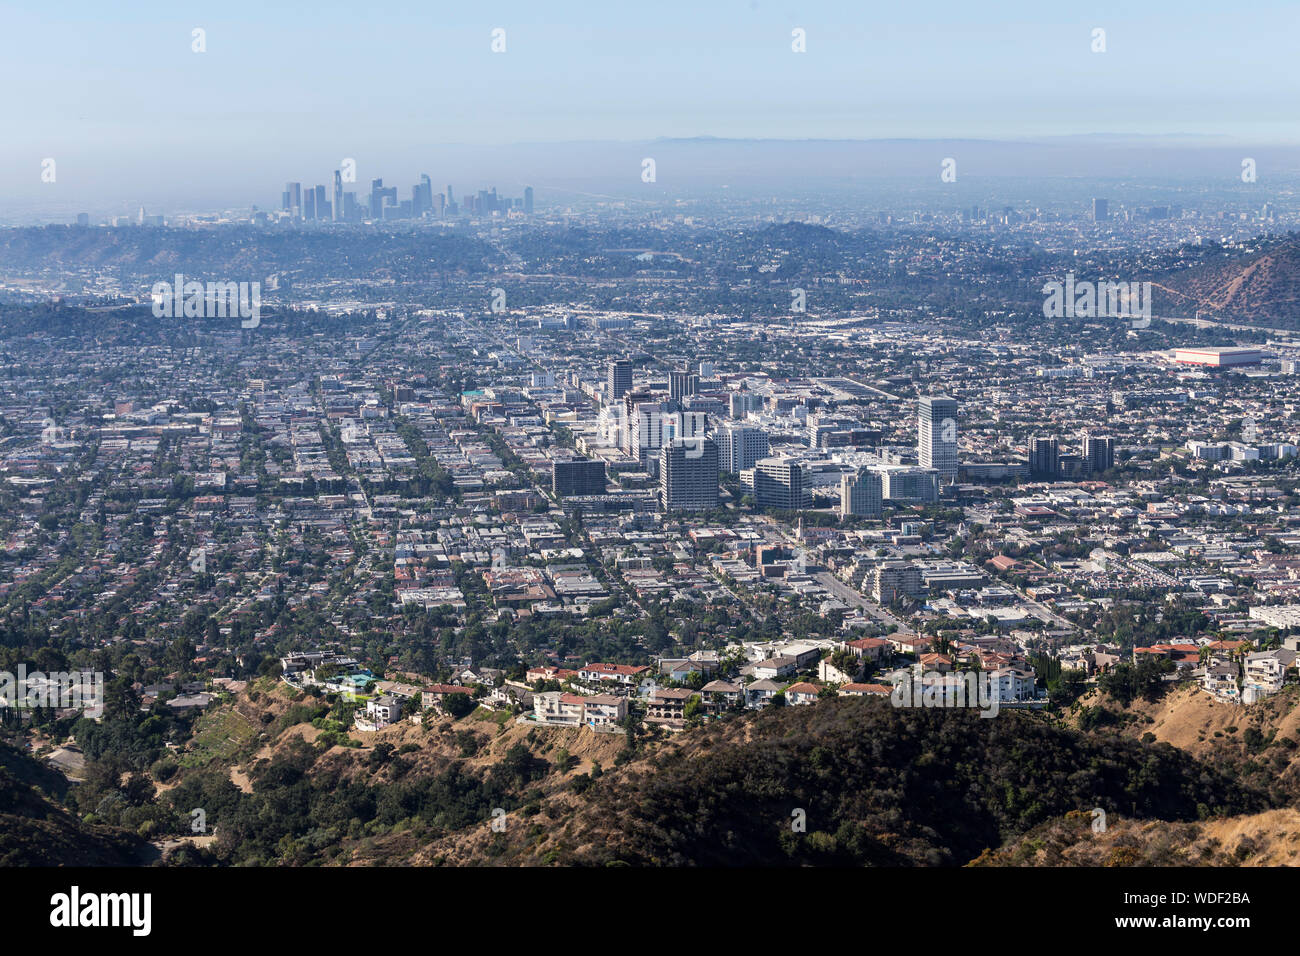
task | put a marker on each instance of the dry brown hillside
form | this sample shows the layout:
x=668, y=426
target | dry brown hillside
x=1271, y=838
x=1261, y=287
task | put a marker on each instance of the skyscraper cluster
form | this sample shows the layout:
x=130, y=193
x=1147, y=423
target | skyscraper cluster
x=383, y=203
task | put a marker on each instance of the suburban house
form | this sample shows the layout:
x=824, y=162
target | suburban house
x=830, y=674
x=668, y=706
x=603, y=710
x=802, y=693
x=719, y=695
x=1266, y=671
x=870, y=648
x=865, y=690
x=558, y=708
x=436, y=695
x=508, y=695
x=548, y=673
x=1220, y=681
x=616, y=673
x=773, y=668
x=760, y=692
x=680, y=669
x=382, y=711
x=1013, y=683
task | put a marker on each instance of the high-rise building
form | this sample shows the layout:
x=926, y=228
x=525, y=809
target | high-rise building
x=1044, y=458
x=862, y=493
x=422, y=201
x=337, y=208
x=1100, y=210
x=897, y=579
x=688, y=475
x=936, y=435
x=1098, y=453
x=528, y=200
x=309, y=204
x=322, y=203
x=620, y=378
x=582, y=476
x=681, y=384
x=293, y=204
x=740, y=447
x=782, y=482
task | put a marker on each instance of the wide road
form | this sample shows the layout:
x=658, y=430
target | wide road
x=854, y=599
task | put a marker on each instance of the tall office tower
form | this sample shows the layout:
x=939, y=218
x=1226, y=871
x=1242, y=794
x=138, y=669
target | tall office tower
x=337, y=208
x=688, y=475
x=1098, y=453
x=862, y=493
x=351, y=211
x=426, y=195
x=782, y=482
x=440, y=205
x=295, y=199
x=740, y=446
x=582, y=476
x=936, y=435
x=1044, y=457
x=322, y=203
x=620, y=378
x=286, y=200
x=309, y=209
x=681, y=384
x=1100, y=210
x=643, y=427
x=376, y=199
x=528, y=200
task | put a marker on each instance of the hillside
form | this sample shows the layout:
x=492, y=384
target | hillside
x=1271, y=838
x=1264, y=287
x=1256, y=744
x=874, y=785
x=879, y=786
x=35, y=831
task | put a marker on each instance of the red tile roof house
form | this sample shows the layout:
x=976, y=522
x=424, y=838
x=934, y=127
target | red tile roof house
x=936, y=662
x=869, y=648
x=802, y=693
x=618, y=673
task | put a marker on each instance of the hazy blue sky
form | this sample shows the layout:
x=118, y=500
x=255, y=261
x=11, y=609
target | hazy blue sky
x=115, y=94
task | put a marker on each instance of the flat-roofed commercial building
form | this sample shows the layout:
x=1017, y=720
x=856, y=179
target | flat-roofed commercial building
x=1218, y=357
